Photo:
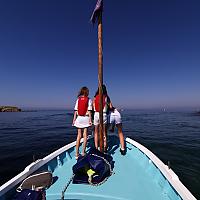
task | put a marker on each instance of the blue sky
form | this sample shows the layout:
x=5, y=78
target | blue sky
x=48, y=50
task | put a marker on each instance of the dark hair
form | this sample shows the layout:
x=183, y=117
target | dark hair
x=83, y=91
x=104, y=91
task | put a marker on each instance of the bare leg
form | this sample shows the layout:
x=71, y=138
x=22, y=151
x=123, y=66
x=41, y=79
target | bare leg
x=105, y=136
x=121, y=136
x=96, y=138
x=78, y=142
x=112, y=127
x=84, y=140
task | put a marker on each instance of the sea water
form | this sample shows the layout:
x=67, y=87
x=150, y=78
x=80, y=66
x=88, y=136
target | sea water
x=173, y=136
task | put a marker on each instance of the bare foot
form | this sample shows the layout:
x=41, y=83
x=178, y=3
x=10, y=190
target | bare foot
x=76, y=156
x=83, y=153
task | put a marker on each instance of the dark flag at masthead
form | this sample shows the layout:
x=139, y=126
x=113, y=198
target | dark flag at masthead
x=98, y=9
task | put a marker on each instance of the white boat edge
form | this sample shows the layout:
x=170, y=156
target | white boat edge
x=34, y=166
x=168, y=173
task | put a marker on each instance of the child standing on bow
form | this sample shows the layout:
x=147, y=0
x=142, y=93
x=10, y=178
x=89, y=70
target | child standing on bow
x=82, y=118
x=106, y=104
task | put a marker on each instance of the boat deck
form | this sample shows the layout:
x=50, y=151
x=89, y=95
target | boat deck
x=135, y=177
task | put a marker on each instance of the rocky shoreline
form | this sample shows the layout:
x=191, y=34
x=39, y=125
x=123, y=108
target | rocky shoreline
x=9, y=109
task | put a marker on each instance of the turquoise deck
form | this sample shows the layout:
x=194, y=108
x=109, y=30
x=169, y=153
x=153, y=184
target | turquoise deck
x=135, y=177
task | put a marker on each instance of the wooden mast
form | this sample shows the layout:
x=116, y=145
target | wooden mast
x=100, y=80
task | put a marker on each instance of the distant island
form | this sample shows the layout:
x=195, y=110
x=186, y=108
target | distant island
x=9, y=109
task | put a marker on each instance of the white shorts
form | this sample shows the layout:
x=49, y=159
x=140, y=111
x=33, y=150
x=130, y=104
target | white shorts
x=114, y=117
x=96, y=118
x=82, y=122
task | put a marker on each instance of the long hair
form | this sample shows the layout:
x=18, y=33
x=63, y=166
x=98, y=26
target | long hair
x=84, y=91
x=104, y=91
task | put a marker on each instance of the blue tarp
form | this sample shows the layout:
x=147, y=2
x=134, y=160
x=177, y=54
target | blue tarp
x=99, y=162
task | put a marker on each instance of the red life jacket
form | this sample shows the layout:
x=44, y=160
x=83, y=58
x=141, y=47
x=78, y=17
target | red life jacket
x=82, y=105
x=96, y=103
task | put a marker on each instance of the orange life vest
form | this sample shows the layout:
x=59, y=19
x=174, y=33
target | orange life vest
x=96, y=103
x=82, y=105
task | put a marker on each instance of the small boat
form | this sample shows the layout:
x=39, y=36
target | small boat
x=138, y=175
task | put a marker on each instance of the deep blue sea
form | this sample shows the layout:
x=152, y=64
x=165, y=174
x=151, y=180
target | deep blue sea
x=172, y=136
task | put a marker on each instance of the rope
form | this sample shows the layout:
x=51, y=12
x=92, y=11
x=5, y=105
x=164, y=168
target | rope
x=65, y=188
